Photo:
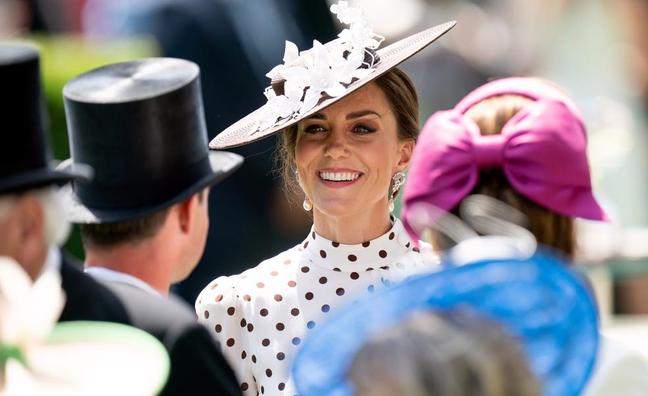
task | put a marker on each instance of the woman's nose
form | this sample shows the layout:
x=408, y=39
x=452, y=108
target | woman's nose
x=336, y=145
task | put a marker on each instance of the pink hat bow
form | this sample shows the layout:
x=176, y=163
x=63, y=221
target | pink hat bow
x=541, y=150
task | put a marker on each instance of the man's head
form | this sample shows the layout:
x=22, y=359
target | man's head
x=31, y=216
x=180, y=231
x=30, y=222
x=147, y=144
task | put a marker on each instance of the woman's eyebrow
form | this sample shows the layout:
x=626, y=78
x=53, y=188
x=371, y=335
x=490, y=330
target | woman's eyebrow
x=361, y=113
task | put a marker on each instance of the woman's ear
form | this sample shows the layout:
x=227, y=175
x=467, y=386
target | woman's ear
x=406, y=149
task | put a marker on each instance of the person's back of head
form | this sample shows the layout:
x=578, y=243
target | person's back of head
x=454, y=353
x=519, y=140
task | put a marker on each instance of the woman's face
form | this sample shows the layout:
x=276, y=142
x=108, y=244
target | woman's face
x=347, y=154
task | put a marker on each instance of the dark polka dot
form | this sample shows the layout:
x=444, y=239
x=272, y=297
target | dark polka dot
x=269, y=373
x=231, y=311
x=260, y=285
x=336, y=269
x=214, y=285
x=218, y=328
x=274, y=273
x=313, y=234
x=296, y=341
x=352, y=257
x=369, y=269
x=366, y=244
x=254, y=360
x=309, y=296
x=305, y=269
x=326, y=308
x=310, y=324
x=322, y=254
x=292, y=283
x=416, y=249
x=243, y=322
x=244, y=386
x=339, y=291
x=206, y=314
x=323, y=280
x=265, y=342
x=280, y=326
x=294, y=311
x=281, y=356
x=407, y=245
x=370, y=288
x=263, y=312
x=243, y=355
x=385, y=267
x=230, y=342
x=382, y=253
x=335, y=244
x=391, y=236
x=354, y=275
x=262, y=389
x=281, y=386
x=278, y=297
x=305, y=244
x=247, y=297
x=250, y=327
x=219, y=298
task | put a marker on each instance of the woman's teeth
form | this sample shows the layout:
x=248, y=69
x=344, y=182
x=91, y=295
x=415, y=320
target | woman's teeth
x=339, y=176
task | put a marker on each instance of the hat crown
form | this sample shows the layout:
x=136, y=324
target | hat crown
x=24, y=148
x=141, y=126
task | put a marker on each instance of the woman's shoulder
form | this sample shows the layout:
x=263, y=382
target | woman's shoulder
x=252, y=284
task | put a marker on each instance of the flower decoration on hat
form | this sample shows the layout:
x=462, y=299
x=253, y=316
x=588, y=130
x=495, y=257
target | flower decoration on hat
x=28, y=312
x=325, y=70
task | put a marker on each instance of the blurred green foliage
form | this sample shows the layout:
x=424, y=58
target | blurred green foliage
x=65, y=57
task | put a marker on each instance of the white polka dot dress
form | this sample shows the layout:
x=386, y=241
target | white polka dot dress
x=261, y=316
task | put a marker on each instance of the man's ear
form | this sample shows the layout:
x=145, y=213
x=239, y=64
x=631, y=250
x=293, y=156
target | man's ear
x=31, y=234
x=186, y=212
x=406, y=150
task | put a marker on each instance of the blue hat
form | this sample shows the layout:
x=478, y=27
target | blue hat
x=536, y=299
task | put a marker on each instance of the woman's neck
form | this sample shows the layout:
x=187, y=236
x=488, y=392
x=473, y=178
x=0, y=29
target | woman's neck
x=355, y=228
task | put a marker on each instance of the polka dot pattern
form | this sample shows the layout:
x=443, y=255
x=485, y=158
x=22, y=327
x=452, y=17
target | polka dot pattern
x=260, y=317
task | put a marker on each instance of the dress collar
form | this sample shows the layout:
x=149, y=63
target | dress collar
x=368, y=256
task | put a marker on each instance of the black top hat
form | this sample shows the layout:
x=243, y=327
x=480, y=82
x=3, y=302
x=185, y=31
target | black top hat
x=24, y=153
x=141, y=126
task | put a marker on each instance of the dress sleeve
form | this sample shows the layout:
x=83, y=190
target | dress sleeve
x=219, y=308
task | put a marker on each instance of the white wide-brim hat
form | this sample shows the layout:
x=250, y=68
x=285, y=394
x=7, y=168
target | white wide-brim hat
x=247, y=130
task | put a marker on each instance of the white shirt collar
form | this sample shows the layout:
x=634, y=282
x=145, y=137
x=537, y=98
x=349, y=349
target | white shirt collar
x=107, y=275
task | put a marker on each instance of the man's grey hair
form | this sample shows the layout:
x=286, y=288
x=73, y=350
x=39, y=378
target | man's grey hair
x=57, y=228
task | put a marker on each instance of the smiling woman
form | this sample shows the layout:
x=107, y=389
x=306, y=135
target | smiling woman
x=345, y=150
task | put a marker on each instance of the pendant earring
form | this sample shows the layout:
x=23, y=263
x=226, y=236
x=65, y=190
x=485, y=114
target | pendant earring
x=397, y=182
x=307, y=205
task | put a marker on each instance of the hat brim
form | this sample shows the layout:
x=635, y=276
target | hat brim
x=537, y=300
x=244, y=131
x=222, y=163
x=80, y=358
x=42, y=177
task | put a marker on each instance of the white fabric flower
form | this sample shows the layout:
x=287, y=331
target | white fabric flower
x=323, y=70
x=28, y=311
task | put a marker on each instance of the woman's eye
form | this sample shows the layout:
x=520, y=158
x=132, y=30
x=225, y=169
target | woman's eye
x=362, y=129
x=314, y=129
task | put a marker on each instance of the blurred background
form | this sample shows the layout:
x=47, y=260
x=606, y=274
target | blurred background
x=597, y=50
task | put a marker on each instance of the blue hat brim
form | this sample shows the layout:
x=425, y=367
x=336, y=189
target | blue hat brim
x=537, y=300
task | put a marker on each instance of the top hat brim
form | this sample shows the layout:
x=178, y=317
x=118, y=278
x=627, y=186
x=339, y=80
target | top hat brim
x=244, y=131
x=222, y=164
x=537, y=300
x=42, y=177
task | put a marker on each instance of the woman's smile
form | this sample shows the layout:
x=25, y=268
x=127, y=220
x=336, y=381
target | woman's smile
x=338, y=177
